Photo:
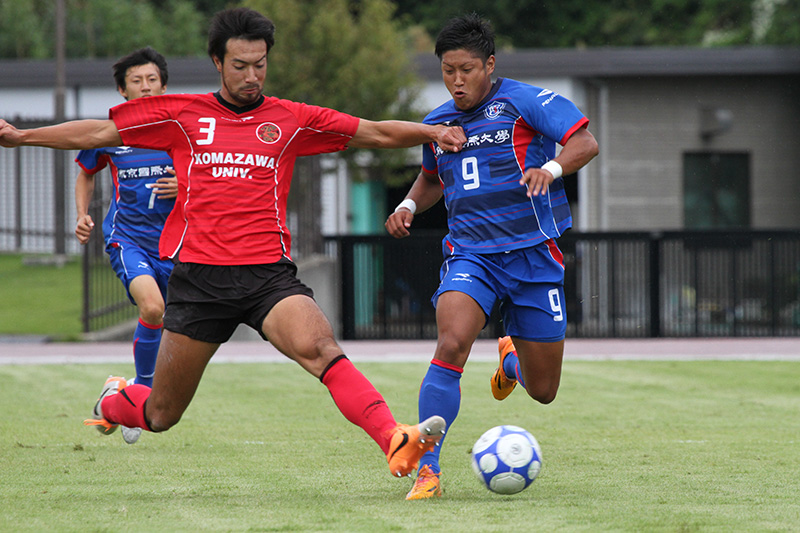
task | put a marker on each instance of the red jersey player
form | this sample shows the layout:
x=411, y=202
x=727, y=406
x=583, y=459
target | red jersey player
x=233, y=153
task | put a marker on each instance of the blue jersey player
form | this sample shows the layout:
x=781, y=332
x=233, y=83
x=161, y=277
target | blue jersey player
x=144, y=194
x=506, y=205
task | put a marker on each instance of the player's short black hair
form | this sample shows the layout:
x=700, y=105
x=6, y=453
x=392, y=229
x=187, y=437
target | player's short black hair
x=238, y=23
x=467, y=32
x=143, y=56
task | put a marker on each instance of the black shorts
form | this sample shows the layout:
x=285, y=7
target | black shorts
x=208, y=302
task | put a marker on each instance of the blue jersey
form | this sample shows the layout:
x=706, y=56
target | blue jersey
x=135, y=216
x=514, y=128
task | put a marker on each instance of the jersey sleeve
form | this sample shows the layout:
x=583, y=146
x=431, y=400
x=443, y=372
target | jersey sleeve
x=444, y=114
x=92, y=161
x=551, y=114
x=150, y=122
x=429, y=163
x=321, y=130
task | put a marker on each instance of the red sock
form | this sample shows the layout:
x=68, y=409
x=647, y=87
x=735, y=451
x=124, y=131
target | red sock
x=358, y=400
x=127, y=407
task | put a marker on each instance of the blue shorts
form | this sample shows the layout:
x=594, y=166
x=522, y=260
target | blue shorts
x=528, y=283
x=130, y=262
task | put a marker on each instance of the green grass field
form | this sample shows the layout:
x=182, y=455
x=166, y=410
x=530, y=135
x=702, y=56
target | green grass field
x=40, y=299
x=628, y=446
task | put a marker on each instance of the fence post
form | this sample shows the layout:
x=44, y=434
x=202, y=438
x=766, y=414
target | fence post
x=773, y=289
x=86, y=260
x=348, y=288
x=59, y=159
x=18, y=198
x=655, y=284
x=59, y=197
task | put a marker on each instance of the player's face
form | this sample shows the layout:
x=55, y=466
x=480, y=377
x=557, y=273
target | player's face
x=243, y=71
x=142, y=80
x=467, y=77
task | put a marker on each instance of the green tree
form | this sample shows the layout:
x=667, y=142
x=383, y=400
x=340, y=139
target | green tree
x=326, y=54
x=22, y=30
x=101, y=28
x=110, y=28
x=349, y=56
x=571, y=23
x=784, y=23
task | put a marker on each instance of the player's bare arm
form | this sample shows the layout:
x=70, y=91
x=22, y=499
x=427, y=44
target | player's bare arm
x=73, y=135
x=84, y=189
x=402, y=134
x=579, y=149
x=425, y=192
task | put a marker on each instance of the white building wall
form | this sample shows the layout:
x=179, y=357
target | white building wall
x=80, y=102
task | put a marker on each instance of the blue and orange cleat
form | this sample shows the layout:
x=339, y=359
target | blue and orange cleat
x=426, y=486
x=502, y=385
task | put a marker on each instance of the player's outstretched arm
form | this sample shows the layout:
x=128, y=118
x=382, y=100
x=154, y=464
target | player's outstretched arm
x=73, y=135
x=402, y=134
x=424, y=193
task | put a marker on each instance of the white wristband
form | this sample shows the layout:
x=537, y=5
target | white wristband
x=553, y=168
x=409, y=204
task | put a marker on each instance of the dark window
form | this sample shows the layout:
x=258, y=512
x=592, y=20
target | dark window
x=716, y=190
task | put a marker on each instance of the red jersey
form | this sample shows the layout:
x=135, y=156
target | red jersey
x=234, y=168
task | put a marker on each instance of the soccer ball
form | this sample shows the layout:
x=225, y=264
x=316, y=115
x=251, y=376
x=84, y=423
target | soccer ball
x=506, y=459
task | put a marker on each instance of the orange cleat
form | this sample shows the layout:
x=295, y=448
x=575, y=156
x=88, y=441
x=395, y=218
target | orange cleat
x=112, y=385
x=426, y=486
x=501, y=384
x=408, y=444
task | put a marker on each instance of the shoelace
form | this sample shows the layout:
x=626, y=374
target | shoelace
x=425, y=474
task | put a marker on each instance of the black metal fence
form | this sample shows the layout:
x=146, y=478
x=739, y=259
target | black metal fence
x=105, y=302
x=37, y=210
x=668, y=284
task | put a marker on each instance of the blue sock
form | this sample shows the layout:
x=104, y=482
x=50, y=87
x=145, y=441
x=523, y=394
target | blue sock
x=439, y=394
x=146, y=339
x=511, y=368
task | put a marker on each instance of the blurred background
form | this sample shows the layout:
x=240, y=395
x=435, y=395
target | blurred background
x=686, y=224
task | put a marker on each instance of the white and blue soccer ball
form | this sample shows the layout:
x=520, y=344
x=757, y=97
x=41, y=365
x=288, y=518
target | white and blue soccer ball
x=506, y=459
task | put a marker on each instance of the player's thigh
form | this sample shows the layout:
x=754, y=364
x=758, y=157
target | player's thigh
x=536, y=321
x=146, y=293
x=298, y=328
x=540, y=364
x=180, y=365
x=459, y=321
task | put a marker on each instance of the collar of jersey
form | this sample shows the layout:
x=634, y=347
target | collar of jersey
x=236, y=109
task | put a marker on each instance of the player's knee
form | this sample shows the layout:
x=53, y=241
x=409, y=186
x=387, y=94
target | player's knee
x=152, y=312
x=452, y=349
x=322, y=348
x=318, y=354
x=160, y=419
x=543, y=395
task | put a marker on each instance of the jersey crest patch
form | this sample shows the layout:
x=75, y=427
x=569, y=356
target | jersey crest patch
x=494, y=110
x=268, y=133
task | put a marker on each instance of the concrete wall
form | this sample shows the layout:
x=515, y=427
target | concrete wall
x=646, y=125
